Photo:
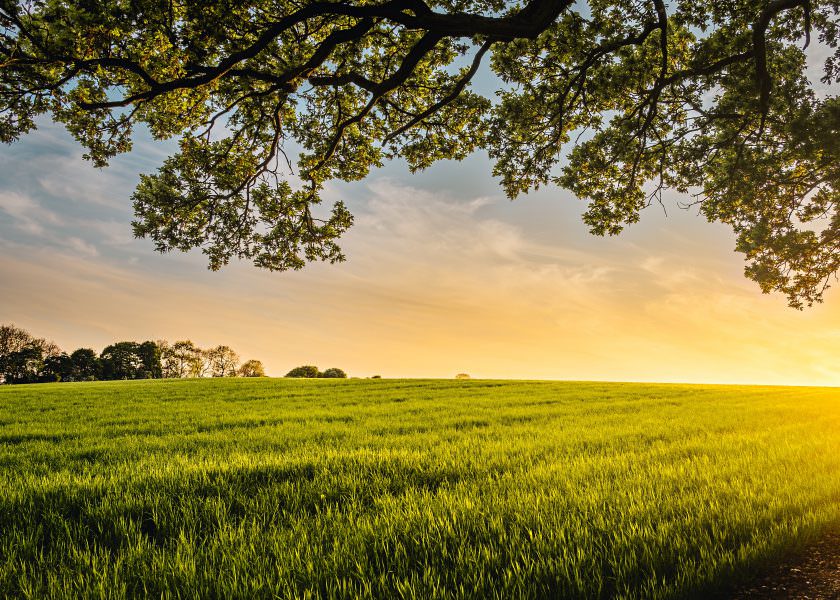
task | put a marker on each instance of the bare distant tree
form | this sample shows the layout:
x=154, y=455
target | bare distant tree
x=48, y=347
x=181, y=359
x=13, y=339
x=204, y=367
x=223, y=361
x=165, y=349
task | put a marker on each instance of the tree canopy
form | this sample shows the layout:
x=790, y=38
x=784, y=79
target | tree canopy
x=251, y=368
x=312, y=372
x=615, y=101
x=306, y=371
x=333, y=373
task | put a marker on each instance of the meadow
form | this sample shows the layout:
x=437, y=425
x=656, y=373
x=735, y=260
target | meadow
x=271, y=488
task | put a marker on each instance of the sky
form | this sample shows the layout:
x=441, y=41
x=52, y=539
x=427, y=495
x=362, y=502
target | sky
x=444, y=276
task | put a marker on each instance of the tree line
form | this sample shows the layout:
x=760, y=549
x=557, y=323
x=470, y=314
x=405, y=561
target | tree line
x=27, y=359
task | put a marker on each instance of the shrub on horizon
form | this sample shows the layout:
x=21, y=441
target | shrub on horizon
x=305, y=371
x=333, y=373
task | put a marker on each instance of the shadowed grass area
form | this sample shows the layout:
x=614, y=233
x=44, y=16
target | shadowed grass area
x=408, y=488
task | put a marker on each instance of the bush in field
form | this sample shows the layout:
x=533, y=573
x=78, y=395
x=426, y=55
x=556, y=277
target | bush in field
x=462, y=376
x=252, y=368
x=306, y=371
x=333, y=373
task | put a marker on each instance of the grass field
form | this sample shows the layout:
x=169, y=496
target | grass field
x=407, y=488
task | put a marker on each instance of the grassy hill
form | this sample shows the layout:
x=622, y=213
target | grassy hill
x=407, y=488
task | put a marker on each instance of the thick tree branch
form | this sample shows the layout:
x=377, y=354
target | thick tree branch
x=450, y=97
x=425, y=45
x=759, y=35
x=528, y=22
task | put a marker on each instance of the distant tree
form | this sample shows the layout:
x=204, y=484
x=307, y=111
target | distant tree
x=376, y=377
x=150, y=357
x=333, y=373
x=57, y=368
x=48, y=347
x=86, y=365
x=306, y=371
x=12, y=339
x=252, y=368
x=24, y=365
x=165, y=350
x=122, y=361
x=462, y=376
x=22, y=355
x=204, y=366
x=181, y=359
x=223, y=361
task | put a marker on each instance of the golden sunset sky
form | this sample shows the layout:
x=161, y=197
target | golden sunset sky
x=444, y=275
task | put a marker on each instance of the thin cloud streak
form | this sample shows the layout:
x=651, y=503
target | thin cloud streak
x=27, y=215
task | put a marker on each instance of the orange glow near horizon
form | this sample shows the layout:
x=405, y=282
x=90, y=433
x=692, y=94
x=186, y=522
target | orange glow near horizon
x=437, y=285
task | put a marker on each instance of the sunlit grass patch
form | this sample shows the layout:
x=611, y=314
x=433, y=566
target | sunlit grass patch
x=423, y=489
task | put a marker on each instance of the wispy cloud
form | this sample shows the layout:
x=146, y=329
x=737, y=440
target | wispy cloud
x=82, y=247
x=27, y=214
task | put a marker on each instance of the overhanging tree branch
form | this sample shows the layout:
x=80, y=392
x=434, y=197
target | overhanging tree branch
x=591, y=99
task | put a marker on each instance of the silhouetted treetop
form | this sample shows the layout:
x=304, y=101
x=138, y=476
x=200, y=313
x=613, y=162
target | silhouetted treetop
x=615, y=101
